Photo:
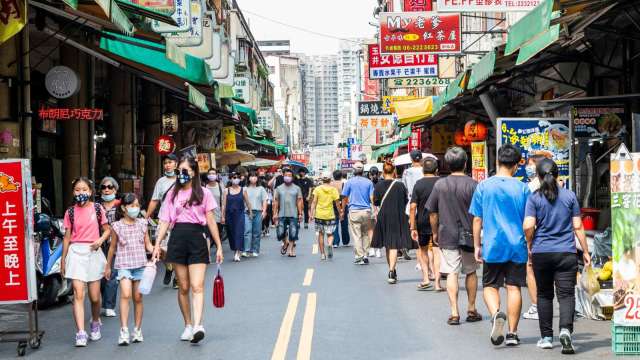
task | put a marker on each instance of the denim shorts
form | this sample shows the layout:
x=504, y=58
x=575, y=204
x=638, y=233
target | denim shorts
x=131, y=274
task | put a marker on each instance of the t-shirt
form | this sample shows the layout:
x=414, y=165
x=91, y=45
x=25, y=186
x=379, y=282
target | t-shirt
x=256, y=194
x=130, y=252
x=178, y=211
x=359, y=190
x=162, y=186
x=500, y=202
x=86, y=228
x=305, y=186
x=554, y=222
x=450, y=198
x=287, y=197
x=410, y=177
x=326, y=195
x=218, y=192
x=421, y=192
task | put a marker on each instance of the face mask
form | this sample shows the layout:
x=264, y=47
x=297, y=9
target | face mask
x=184, y=177
x=169, y=173
x=81, y=199
x=253, y=179
x=288, y=179
x=212, y=177
x=531, y=171
x=235, y=181
x=108, y=197
x=133, y=212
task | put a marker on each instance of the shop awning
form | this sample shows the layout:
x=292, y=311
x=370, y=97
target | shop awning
x=455, y=88
x=197, y=99
x=152, y=55
x=388, y=148
x=538, y=44
x=247, y=110
x=409, y=111
x=226, y=91
x=278, y=149
x=482, y=70
x=116, y=16
x=530, y=26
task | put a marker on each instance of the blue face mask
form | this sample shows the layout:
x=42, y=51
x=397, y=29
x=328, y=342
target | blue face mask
x=169, y=173
x=133, y=212
x=108, y=197
x=81, y=199
x=531, y=172
x=184, y=178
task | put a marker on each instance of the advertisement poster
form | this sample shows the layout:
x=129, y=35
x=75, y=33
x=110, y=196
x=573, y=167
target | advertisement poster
x=429, y=82
x=383, y=66
x=417, y=5
x=625, y=216
x=597, y=121
x=486, y=5
x=17, y=268
x=372, y=115
x=420, y=32
x=229, y=139
x=549, y=137
x=479, y=169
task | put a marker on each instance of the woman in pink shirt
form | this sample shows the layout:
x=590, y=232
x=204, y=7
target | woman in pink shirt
x=82, y=259
x=188, y=211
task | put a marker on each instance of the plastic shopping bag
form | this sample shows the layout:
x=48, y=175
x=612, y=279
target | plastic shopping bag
x=218, y=290
x=148, y=276
x=589, y=281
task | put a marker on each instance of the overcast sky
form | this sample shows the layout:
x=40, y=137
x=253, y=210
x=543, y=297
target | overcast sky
x=340, y=18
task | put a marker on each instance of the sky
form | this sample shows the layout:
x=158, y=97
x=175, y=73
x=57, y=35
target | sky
x=339, y=18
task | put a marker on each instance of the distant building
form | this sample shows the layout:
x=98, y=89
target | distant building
x=320, y=99
x=348, y=64
x=285, y=75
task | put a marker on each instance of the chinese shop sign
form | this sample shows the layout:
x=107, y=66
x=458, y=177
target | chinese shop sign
x=229, y=139
x=417, y=5
x=550, y=138
x=420, y=32
x=383, y=66
x=486, y=5
x=193, y=37
x=596, y=121
x=372, y=115
x=61, y=82
x=164, y=145
x=182, y=17
x=70, y=114
x=479, y=170
x=415, y=139
x=428, y=82
x=17, y=270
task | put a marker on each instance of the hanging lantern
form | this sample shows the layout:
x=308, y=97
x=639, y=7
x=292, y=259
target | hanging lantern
x=475, y=130
x=460, y=139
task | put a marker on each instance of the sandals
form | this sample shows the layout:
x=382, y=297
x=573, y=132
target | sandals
x=473, y=316
x=453, y=320
x=294, y=247
x=425, y=287
x=283, y=249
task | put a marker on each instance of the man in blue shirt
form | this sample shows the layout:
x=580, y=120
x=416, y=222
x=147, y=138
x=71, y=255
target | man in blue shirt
x=498, y=207
x=358, y=195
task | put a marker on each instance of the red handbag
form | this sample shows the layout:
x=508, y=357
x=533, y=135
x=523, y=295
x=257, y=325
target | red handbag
x=218, y=290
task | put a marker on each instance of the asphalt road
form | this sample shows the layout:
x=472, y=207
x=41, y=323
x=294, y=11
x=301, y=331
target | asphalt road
x=300, y=308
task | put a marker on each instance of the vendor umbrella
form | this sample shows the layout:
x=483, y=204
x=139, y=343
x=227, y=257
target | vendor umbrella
x=234, y=157
x=405, y=159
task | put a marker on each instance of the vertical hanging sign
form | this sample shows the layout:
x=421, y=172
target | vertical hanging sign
x=479, y=170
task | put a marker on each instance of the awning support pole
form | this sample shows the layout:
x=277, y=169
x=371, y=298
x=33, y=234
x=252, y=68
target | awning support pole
x=490, y=108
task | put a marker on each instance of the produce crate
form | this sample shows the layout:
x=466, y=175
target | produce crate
x=625, y=340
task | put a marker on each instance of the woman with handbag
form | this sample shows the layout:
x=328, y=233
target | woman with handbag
x=391, y=230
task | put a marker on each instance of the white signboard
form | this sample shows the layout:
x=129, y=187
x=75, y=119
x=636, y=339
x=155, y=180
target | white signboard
x=486, y=5
x=182, y=17
x=215, y=61
x=205, y=49
x=192, y=37
x=61, y=82
x=242, y=88
x=425, y=82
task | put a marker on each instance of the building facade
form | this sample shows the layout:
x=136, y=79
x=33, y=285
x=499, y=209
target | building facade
x=320, y=99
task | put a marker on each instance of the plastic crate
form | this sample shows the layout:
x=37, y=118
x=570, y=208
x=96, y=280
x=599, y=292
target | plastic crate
x=625, y=340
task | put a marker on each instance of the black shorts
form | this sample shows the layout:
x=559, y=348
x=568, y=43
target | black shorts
x=496, y=275
x=424, y=239
x=188, y=245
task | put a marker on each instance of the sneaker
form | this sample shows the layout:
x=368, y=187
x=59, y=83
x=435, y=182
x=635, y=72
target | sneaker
x=167, y=277
x=323, y=257
x=95, y=331
x=372, y=252
x=359, y=261
x=378, y=253
x=545, y=343
x=512, y=339
x=109, y=313
x=123, y=340
x=175, y=283
x=329, y=251
x=406, y=255
x=418, y=267
x=393, y=277
x=198, y=334
x=81, y=339
x=565, y=340
x=187, y=334
x=335, y=246
x=497, y=328
x=137, y=336
x=532, y=313
x=365, y=261
x=255, y=254
x=244, y=254
x=306, y=226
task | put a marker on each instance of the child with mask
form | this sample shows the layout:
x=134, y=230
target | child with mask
x=83, y=261
x=130, y=239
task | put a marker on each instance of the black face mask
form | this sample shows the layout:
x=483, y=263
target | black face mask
x=184, y=177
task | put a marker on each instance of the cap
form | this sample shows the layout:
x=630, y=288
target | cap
x=358, y=166
x=170, y=157
x=416, y=155
x=374, y=170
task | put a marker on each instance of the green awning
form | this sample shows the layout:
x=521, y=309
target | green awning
x=152, y=54
x=530, y=26
x=405, y=132
x=72, y=3
x=278, y=149
x=226, y=91
x=197, y=99
x=387, y=149
x=454, y=89
x=116, y=16
x=538, y=44
x=438, y=102
x=247, y=110
x=146, y=12
x=482, y=70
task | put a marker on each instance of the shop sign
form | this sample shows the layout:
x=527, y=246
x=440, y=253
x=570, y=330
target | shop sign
x=241, y=88
x=17, y=266
x=164, y=145
x=70, y=114
x=193, y=37
x=486, y=5
x=420, y=32
x=598, y=121
x=204, y=162
x=425, y=82
x=479, y=170
x=417, y=5
x=169, y=123
x=205, y=49
x=415, y=139
x=61, y=82
x=387, y=101
x=346, y=164
x=166, y=6
x=372, y=115
x=551, y=138
x=382, y=66
x=441, y=138
x=182, y=17
x=229, y=139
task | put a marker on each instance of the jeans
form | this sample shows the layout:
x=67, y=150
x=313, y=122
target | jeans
x=109, y=290
x=288, y=223
x=557, y=269
x=343, y=227
x=252, y=231
x=359, y=224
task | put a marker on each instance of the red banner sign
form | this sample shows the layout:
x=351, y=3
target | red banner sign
x=383, y=66
x=417, y=5
x=415, y=140
x=14, y=281
x=164, y=145
x=70, y=114
x=421, y=32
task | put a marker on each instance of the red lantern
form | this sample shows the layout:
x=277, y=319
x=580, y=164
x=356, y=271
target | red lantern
x=475, y=130
x=164, y=145
x=460, y=139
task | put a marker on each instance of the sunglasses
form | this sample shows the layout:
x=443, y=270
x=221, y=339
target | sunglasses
x=105, y=187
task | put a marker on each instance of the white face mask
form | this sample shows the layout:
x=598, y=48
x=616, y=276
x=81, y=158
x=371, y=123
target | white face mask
x=235, y=181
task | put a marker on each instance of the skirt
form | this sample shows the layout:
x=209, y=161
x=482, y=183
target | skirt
x=84, y=264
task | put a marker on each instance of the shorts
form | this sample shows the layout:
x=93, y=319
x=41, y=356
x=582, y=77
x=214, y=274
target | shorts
x=424, y=239
x=325, y=226
x=131, y=274
x=496, y=275
x=84, y=264
x=288, y=223
x=188, y=245
x=457, y=262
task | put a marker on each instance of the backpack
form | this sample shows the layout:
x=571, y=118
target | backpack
x=96, y=206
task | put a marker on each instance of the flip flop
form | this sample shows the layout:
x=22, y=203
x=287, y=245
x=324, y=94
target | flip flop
x=283, y=249
x=453, y=320
x=440, y=290
x=473, y=316
x=425, y=287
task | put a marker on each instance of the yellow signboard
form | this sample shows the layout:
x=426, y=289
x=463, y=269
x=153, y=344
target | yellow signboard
x=387, y=101
x=479, y=169
x=441, y=139
x=13, y=16
x=229, y=139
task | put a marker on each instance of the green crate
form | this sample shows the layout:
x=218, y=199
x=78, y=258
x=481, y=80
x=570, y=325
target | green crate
x=625, y=340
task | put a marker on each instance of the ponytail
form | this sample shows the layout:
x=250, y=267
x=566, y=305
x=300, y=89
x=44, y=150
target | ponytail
x=548, y=174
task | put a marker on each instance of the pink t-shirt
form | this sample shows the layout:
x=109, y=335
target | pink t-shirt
x=179, y=212
x=85, y=223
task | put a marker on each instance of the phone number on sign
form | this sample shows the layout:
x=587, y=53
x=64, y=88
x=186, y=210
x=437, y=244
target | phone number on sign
x=522, y=3
x=411, y=48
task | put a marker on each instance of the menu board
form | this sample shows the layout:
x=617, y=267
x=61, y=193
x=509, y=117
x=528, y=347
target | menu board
x=597, y=121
